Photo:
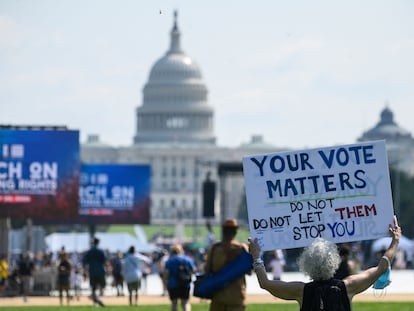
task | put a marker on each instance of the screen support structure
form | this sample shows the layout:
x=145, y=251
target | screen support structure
x=224, y=170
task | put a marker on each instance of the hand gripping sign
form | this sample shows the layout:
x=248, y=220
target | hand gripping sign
x=339, y=193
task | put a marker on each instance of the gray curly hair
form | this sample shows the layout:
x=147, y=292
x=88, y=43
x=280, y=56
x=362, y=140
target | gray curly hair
x=319, y=260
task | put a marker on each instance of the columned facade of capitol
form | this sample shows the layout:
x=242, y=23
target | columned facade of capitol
x=175, y=136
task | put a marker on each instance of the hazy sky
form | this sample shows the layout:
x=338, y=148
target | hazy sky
x=301, y=73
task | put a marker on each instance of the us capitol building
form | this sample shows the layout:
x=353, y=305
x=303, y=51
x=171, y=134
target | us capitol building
x=175, y=136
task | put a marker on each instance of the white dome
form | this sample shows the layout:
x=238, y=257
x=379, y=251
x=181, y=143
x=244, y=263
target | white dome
x=386, y=129
x=175, y=107
x=174, y=68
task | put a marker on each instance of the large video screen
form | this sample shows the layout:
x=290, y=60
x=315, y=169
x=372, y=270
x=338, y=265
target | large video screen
x=114, y=194
x=39, y=174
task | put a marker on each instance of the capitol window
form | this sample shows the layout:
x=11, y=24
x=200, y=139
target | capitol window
x=177, y=122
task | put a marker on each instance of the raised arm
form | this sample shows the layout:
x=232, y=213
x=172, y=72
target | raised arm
x=280, y=289
x=357, y=283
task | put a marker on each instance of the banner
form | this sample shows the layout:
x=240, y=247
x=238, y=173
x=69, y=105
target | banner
x=340, y=193
x=39, y=174
x=114, y=194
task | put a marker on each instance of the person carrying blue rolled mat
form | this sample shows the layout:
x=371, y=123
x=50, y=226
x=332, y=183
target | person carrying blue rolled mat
x=233, y=295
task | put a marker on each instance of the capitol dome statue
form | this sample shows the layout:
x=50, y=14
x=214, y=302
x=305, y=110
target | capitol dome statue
x=175, y=108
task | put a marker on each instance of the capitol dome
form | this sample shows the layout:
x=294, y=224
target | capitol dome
x=178, y=66
x=399, y=142
x=175, y=107
x=386, y=129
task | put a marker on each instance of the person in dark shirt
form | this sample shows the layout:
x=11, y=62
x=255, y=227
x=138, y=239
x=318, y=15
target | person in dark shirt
x=319, y=261
x=64, y=269
x=95, y=260
x=346, y=266
x=25, y=267
x=118, y=280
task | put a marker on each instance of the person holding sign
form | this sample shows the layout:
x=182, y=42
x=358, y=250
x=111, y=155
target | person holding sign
x=346, y=266
x=319, y=261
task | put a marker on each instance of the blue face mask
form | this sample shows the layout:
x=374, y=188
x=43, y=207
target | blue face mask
x=383, y=281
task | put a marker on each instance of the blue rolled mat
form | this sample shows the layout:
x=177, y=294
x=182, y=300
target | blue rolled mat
x=206, y=285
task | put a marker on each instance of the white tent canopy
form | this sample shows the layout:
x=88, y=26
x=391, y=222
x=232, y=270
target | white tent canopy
x=80, y=242
x=383, y=243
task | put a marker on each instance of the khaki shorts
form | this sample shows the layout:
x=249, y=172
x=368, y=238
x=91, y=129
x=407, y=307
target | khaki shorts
x=134, y=285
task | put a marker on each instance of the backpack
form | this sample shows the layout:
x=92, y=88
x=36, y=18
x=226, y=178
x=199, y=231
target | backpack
x=184, y=276
x=116, y=266
x=328, y=295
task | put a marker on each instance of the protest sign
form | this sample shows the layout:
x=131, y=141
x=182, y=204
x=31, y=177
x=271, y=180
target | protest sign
x=340, y=193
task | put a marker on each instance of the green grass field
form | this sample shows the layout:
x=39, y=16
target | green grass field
x=360, y=306
x=169, y=230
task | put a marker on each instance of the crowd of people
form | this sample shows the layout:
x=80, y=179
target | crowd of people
x=125, y=272
x=324, y=262
x=71, y=271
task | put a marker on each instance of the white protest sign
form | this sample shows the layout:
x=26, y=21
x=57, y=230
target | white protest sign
x=340, y=193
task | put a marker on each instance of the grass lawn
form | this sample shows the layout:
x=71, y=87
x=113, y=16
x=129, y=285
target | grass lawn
x=200, y=231
x=360, y=306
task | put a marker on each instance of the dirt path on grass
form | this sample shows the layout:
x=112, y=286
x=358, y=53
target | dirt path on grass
x=153, y=299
